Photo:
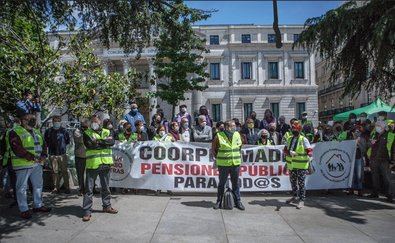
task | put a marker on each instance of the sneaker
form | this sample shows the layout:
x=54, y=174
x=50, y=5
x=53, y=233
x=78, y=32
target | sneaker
x=300, y=205
x=55, y=191
x=86, y=218
x=217, y=206
x=373, y=196
x=80, y=193
x=291, y=200
x=110, y=210
x=42, y=209
x=240, y=206
x=26, y=215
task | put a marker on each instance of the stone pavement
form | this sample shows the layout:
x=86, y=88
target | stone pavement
x=190, y=218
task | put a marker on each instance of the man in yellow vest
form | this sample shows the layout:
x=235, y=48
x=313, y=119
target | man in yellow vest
x=98, y=143
x=226, y=148
x=27, y=158
x=298, y=152
x=382, y=155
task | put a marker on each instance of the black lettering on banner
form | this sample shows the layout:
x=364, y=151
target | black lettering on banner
x=178, y=180
x=247, y=183
x=274, y=155
x=159, y=153
x=200, y=182
x=189, y=183
x=260, y=156
x=200, y=152
x=247, y=155
x=145, y=152
x=275, y=182
x=212, y=183
x=187, y=152
x=174, y=153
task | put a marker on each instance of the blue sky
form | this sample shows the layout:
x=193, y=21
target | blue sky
x=261, y=12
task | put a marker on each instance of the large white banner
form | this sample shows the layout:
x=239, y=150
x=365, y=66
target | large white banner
x=189, y=167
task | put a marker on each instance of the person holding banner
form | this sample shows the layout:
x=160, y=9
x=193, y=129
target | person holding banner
x=161, y=135
x=127, y=135
x=298, y=153
x=264, y=138
x=98, y=143
x=226, y=148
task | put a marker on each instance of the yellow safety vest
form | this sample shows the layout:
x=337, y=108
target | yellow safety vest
x=132, y=138
x=229, y=152
x=301, y=160
x=390, y=141
x=268, y=142
x=29, y=143
x=342, y=136
x=96, y=157
x=168, y=138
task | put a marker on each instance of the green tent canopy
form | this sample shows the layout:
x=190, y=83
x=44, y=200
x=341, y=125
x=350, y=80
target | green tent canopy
x=374, y=107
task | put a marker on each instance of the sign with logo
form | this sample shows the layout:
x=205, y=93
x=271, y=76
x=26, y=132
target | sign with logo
x=190, y=167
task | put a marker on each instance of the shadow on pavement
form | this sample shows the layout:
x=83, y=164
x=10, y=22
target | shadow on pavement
x=200, y=204
x=270, y=203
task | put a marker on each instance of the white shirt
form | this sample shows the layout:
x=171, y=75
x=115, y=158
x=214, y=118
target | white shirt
x=185, y=136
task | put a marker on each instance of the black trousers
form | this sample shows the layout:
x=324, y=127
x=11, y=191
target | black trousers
x=224, y=171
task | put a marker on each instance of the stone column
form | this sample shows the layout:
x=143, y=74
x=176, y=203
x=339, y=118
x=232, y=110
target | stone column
x=126, y=66
x=152, y=88
x=105, y=66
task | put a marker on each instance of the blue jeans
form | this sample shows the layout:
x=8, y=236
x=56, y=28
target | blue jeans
x=36, y=177
x=358, y=175
x=224, y=171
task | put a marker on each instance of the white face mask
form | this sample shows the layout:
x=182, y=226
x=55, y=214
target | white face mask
x=110, y=127
x=352, y=120
x=185, y=125
x=379, y=129
x=56, y=125
x=95, y=126
x=203, y=124
x=381, y=118
x=183, y=110
x=162, y=133
x=362, y=119
x=140, y=128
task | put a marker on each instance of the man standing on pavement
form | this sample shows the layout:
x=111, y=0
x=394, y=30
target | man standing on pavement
x=98, y=143
x=28, y=156
x=381, y=154
x=226, y=148
x=57, y=138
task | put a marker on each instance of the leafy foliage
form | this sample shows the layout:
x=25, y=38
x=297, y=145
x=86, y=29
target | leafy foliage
x=359, y=43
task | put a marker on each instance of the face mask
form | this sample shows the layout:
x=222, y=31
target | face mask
x=250, y=126
x=381, y=118
x=56, y=125
x=176, y=129
x=183, y=110
x=233, y=129
x=162, y=133
x=304, y=117
x=379, y=129
x=352, y=120
x=95, y=126
x=295, y=133
x=281, y=122
x=222, y=129
x=110, y=127
x=272, y=129
x=134, y=110
x=140, y=128
x=32, y=122
x=362, y=119
x=185, y=125
x=129, y=130
x=238, y=128
x=264, y=137
x=203, y=124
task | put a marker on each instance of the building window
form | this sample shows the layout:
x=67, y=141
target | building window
x=246, y=38
x=299, y=69
x=216, y=108
x=271, y=38
x=214, y=71
x=214, y=40
x=296, y=37
x=247, y=110
x=275, y=107
x=300, y=108
x=273, y=70
x=246, y=70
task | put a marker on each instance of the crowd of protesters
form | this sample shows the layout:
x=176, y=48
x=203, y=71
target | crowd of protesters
x=375, y=146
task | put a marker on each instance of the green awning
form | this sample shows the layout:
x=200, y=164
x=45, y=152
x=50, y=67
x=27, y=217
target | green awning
x=374, y=107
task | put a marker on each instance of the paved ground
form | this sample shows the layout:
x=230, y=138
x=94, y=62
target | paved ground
x=190, y=218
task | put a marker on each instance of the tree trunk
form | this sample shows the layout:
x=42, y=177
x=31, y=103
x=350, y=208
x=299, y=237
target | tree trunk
x=276, y=29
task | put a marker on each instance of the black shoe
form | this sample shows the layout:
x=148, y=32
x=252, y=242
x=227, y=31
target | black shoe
x=390, y=199
x=373, y=196
x=67, y=191
x=240, y=206
x=217, y=206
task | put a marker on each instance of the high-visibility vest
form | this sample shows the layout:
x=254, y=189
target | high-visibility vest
x=229, y=151
x=287, y=135
x=390, y=142
x=166, y=138
x=132, y=138
x=342, y=136
x=7, y=154
x=96, y=157
x=32, y=145
x=268, y=142
x=301, y=160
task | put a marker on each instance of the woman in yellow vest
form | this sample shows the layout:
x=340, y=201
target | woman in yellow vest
x=226, y=148
x=298, y=152
x=27, y=156
x=162, y=136
x=98, y=143
x=264, y=138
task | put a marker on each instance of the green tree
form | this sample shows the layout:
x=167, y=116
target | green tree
x=358, y=40
x=179, y=57
x=85, y=89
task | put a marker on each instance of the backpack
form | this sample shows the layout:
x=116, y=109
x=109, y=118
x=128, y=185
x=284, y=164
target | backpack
x=228, y=199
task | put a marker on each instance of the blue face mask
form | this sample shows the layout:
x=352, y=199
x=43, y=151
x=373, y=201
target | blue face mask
x=135, y=110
